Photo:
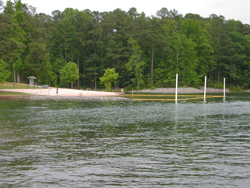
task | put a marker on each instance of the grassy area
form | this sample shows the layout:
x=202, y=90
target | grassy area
x=9, y=85
x=4, y=93
x=236, y=89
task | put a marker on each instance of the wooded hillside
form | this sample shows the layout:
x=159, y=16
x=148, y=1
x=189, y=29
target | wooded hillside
x=145, y=51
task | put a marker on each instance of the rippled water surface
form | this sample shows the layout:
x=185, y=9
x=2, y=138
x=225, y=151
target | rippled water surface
x=125, y=143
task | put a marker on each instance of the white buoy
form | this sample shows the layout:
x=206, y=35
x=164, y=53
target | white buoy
x=205, y=88
x=176, y=88
x=224, y=97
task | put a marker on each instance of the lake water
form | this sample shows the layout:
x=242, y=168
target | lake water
x=125, y=144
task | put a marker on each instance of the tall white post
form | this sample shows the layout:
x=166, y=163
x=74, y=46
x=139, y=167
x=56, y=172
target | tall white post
x=224, y=97
x=205, y=88
x=176, y=88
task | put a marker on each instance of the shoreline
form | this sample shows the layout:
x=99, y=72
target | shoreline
x=80, y=98
x=61, y=92
x=57, y=98
x=182, y=90
x=73, y=94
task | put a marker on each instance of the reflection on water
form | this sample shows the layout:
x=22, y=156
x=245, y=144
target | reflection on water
x=125, y=144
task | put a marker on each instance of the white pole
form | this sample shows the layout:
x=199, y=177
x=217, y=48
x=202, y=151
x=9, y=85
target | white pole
x=176, y=88
x=205, y=88
x=224, y=98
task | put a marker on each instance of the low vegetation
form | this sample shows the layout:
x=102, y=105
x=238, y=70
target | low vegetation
x=3, y=93
x=9, y=85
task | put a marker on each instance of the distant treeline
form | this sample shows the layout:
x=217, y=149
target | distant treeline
x=145, y=51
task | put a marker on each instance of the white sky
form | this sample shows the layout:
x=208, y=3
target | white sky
x=230, y=9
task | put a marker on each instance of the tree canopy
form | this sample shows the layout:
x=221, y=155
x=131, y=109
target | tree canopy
x=144, y=51
x=109, y=76
x=4, y=72
x=69, y=73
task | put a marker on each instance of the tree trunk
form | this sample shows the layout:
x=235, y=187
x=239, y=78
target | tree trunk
x=78, y=81
x=18, y=77
x=152, y=64
x=102, y=57
x=212, y=76
x=84, y=81
x=184, y=75
x=138, y=85
x=90, y=81
x=21, y=77
x=123, y=79
x=59, y=52
x=66, y=58
x=72, y=57
x=14, y=78
x=177, y=59
x=219, y=72
x=71, y=85
x=95, y=68
x=95, y=76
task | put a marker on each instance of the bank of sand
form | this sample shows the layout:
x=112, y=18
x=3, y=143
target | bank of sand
x=61, y=92
x=51, y=93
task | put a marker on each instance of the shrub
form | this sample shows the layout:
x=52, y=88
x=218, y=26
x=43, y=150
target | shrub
x=218, y=85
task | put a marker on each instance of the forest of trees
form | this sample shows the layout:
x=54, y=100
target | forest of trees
x=146, y=52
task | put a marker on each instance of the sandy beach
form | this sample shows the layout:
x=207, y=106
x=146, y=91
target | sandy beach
x=74, y=94
x=62, y=92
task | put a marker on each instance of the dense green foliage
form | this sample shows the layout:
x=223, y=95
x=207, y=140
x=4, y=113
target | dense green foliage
x=135, y=64
x=145, y=51
x=69, y=73
x=4, y=72
x=109, y=76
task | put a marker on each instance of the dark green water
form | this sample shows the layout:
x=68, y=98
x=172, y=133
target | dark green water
x=125, y=144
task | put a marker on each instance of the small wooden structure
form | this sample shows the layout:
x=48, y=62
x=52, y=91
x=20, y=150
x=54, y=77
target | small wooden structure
x=31, y=80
